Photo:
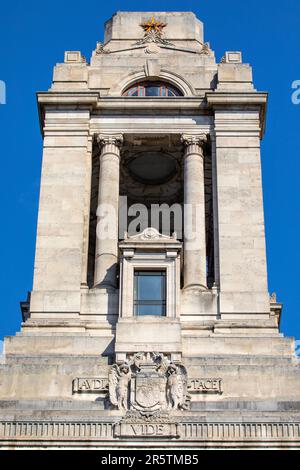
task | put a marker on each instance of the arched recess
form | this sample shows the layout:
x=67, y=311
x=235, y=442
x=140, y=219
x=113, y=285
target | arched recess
x=170, y=77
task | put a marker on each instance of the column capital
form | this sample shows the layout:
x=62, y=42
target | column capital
x=109, y=139
x=190, y=139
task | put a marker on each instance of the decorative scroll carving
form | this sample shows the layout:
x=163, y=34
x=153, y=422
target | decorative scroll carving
x=113, y=139
x=135, y=417
x=188, y=139
x=100, y=49
x=156, y=384
x=206, y=50
x=152, y=48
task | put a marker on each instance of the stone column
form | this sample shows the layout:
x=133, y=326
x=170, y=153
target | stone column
x=106, y=256
x=194, y=212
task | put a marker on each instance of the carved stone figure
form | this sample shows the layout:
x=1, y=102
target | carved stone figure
x=173, y=389
x=119, y=380
x=177, y=396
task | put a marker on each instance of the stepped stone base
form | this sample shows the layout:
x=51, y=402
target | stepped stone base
x=52, y=399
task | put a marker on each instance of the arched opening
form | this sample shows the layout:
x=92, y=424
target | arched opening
x=152, y=88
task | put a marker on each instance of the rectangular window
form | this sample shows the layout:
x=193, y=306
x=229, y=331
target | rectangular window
x=150, y=293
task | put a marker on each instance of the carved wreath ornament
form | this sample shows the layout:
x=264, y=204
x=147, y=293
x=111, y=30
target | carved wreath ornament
x=148, y=383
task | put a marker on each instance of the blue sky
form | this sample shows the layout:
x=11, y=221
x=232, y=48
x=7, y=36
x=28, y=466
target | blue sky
x=34, y=36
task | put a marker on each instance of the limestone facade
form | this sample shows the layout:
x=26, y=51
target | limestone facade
x=214, y=370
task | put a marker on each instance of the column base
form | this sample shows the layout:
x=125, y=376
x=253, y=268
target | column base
x=199, y=287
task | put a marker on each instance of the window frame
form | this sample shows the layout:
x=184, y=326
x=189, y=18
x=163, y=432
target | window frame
x=140, y=89
x=137, y=303
x=136, y=254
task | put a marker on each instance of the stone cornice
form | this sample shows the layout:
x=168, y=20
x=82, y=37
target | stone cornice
x=221, y=100
x=147, y=103
x=93, y=99
x=76, y=99
x=94, y=102
x=232, y=98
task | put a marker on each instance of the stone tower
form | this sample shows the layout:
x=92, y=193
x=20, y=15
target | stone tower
x=150, y=321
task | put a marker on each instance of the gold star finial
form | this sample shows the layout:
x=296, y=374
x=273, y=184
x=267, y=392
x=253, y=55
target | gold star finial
x=153, y=25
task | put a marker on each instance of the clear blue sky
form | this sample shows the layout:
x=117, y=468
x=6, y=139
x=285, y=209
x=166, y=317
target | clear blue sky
x=34, y=36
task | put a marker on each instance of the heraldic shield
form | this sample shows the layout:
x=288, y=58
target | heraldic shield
x=148, y=390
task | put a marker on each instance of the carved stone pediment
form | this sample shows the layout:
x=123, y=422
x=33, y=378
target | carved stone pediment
x=149, y=234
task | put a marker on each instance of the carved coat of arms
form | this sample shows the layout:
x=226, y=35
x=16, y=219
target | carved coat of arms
x=148, y=383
